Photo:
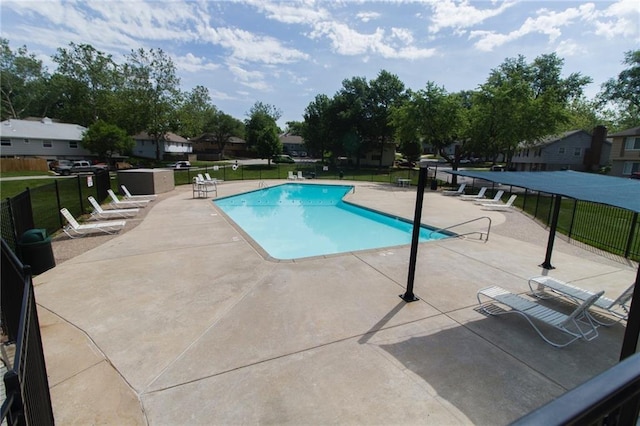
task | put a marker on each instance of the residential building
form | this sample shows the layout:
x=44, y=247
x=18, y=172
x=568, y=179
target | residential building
x=171, y=145
x=625, y=152
x=572, y=150
x=206, y=147
x=42, y=138
x=293, y=145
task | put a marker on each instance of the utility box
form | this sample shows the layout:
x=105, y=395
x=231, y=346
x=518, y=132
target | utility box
x=147, y=181
x=34, y=249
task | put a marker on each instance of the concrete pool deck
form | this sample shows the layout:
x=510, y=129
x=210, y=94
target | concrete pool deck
x=182, y=321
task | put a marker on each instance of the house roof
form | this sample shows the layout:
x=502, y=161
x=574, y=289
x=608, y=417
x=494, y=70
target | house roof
x=211, y=138
x=548, y=140
x=635, y=131
x=610, y=190
x=169, y=136
x=41, y=129
x=289, y=138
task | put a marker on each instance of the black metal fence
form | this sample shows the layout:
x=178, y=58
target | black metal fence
x=39, y=207
x=611, y=398
x=28, y=401
x=608, y=228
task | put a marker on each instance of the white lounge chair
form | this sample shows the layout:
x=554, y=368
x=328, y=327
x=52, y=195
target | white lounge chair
x=299, y=176
x=496, y=198
x=506, y=206
x=577, y=325
x=128, y=196
x=124, y=204
x=201, y=187
x=478, y=196
x=208, y=178
x=291, y=176
x=617, y=307
x=99, y=213
x=458, y=191
x=74, y=229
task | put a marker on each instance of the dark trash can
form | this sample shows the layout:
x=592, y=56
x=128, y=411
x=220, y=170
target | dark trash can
x=434, y=185
x=34, y=249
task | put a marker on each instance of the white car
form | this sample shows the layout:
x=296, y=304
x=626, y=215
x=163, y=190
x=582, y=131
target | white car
x=180, y=165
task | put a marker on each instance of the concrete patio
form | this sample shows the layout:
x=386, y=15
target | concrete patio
x=182, y=320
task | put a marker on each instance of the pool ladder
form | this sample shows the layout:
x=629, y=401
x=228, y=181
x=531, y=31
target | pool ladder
x=481, y=233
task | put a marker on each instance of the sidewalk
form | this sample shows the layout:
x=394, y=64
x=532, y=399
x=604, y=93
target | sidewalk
x=180, y=320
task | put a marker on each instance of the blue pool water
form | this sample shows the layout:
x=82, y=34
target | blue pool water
x=291, y=221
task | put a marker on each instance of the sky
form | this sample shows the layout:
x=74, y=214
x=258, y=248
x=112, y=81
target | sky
x=284, y=53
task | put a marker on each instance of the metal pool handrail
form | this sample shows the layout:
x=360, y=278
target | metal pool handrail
x=468, y=233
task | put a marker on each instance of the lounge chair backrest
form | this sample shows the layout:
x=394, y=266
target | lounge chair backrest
x=511, y=200
x=498, y=195
x=299, y=174
x=624, y=297
x=125, y=190
x=200, y=177
x=461, y=189
x=95, y=204
x=481, y=192
x=113, y=196
x=208, y=176
x=69, y=218
x=584, y=306
x=290, y=175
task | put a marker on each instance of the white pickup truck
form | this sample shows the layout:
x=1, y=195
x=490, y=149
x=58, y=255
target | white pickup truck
x=78, y=167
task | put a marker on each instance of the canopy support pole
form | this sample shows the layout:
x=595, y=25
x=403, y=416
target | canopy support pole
x=408, y=296
x=552, y=232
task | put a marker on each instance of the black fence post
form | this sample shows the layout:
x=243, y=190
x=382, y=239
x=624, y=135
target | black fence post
x=573, y=218
x=58, y=203
x=80, y=193
x=632, y=234
x=408, y=296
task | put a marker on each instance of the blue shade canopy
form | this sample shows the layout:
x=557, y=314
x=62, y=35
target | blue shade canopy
x=613, y=191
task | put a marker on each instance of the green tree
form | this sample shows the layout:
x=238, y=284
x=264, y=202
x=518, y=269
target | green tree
x=23, y=83
x=261, y=131
x=316, y=126
x=194, y=112
x=386, y=91
x=522, y=102
x=106, y=140
x=151, y=94
x=89, y=79
x=223, y=127
x=624, y=92
x=351, y=119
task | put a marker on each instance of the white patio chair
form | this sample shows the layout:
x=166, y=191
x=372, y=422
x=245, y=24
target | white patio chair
x=458, y=191
x=128, y=196
x=618, y=307
x=504, y=207
x=208, y=178
x=299, y=176
x=99, y=213
x=74, y=229
x=577, y=325
x=123, y=204
x=291, y=176
x=478, y=196
x=496, y=198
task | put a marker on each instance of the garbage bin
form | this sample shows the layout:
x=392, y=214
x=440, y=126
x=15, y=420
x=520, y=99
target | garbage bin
x=434, y=184
x=34, y=249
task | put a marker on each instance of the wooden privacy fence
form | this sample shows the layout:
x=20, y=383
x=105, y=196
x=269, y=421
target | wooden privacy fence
x=23, y=164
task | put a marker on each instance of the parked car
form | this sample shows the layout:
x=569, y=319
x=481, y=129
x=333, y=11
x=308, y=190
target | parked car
x=406, y=164
x=497, y=168
x=180, y=165
x=57, y=163
x=635, y=175
x=282, y=159
x=78, y=167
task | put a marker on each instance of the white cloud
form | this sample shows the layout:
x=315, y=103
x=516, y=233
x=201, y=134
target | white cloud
x=547, y=22
x=252, y=79
x=461, y=14
x=367, y=16
x=570, y=48
x=192, y=63
x=620, y=19
x=293, y=12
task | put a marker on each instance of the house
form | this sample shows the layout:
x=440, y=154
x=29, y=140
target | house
x=293, y=145
x=207, y=149
x=171, y=146
x=572, y=150
x=625, y=152
x=42, y=138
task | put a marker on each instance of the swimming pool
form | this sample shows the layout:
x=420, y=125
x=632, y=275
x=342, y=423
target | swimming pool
x=293, y=220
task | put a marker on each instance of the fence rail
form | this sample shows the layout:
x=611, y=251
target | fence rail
x=28, y=401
